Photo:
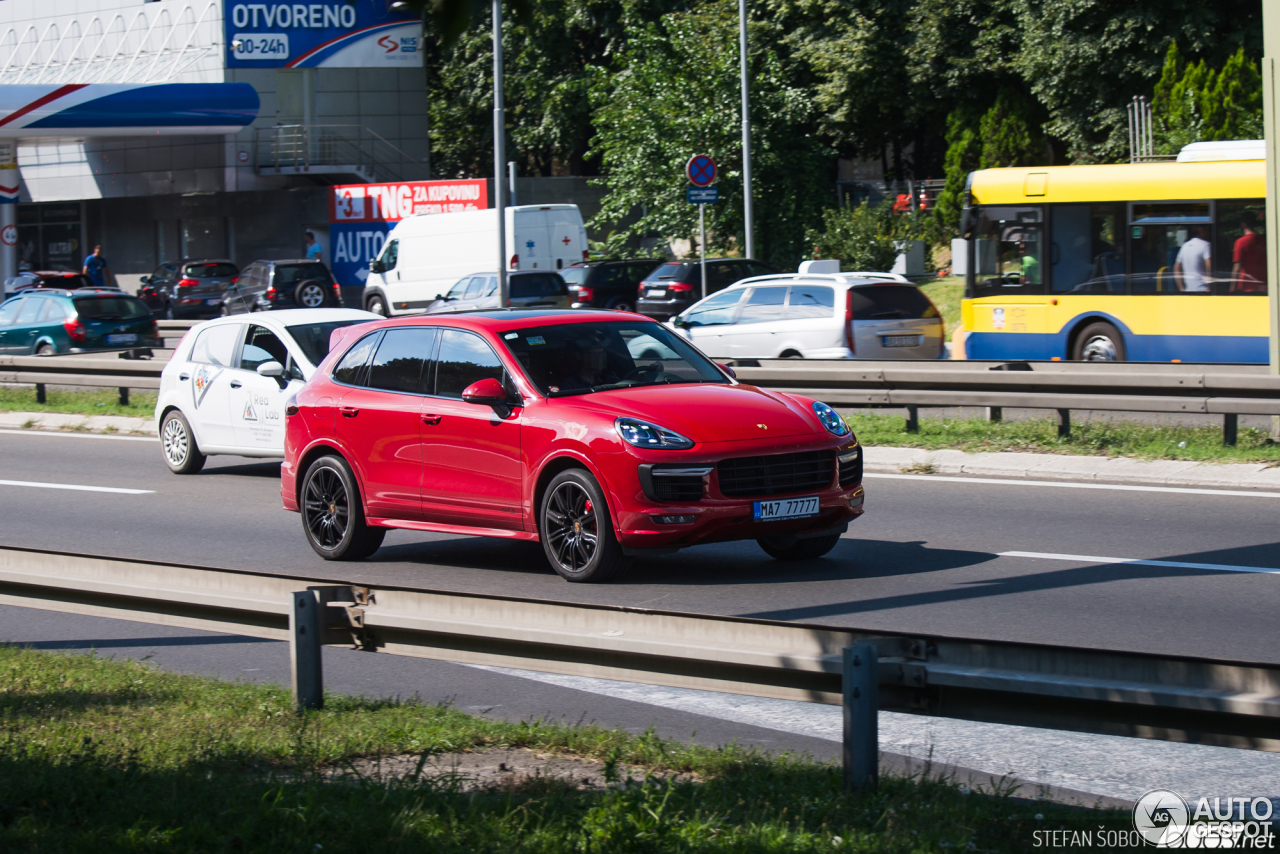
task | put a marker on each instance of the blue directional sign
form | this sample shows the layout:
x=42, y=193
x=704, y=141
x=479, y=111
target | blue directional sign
x=701, y=170
x=702, y=195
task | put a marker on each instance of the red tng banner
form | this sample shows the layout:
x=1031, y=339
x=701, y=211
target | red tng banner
x=394, y=202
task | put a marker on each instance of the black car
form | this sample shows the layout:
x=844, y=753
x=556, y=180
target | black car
x=294, y=283
x=676, y=285
x=188, y=288
x=607, y=284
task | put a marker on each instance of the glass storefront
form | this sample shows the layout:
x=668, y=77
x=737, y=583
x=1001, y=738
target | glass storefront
x=49, y=237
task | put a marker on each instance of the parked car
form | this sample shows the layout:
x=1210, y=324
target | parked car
x=811, y=316
x=528, y=289
x=541, y=426
x=676, y=285
x=49, y=321
x=45, y=279
x=267, y=285
x=224, y=390
x=425, y=255
x=191, y=288
x=608, y=284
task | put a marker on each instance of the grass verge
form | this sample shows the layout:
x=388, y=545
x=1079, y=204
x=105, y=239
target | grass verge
x=103, y=755
x=1040, y=435
x=99, y=402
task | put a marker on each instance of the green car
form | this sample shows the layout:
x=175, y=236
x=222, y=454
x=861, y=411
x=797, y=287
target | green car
x=47, y=321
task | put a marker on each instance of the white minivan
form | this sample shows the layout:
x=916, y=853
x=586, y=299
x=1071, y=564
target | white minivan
x=813, y=316
x=426, y=254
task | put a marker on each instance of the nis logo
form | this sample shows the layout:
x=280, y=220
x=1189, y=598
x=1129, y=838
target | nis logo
x=404, y=45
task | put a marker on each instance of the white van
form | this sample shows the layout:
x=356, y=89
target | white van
x=426, y=254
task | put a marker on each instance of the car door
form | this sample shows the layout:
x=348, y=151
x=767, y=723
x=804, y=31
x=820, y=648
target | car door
x=812, y=322
x=472, y=468
x=208, y=373
x=8, y=314
x=705, y=322
x=758, y=322
x=24, y=331
x=379, y=417
x=257, y=402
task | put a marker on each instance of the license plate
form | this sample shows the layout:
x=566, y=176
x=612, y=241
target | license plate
x=658, y=294
x=902, y=341
x=786, y=508
x=213, y=301
x=122, y=339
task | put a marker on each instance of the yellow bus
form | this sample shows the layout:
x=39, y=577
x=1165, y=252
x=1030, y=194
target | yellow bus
x=1145, y=262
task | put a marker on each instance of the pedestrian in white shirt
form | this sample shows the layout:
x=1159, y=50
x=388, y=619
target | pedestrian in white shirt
x=1192, y=269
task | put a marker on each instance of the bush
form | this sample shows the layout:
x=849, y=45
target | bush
x=858, y=237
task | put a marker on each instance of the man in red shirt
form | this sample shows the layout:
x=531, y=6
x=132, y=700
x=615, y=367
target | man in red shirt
x=1249, y=258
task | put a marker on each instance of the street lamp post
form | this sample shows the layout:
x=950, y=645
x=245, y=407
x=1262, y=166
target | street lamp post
x=747, y=212
x=1271, y=126
x=499, y=156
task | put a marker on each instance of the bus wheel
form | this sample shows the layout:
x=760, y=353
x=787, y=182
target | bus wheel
x=1099, y=342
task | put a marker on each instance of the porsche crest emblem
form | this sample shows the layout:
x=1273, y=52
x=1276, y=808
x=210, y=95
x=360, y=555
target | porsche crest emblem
x=763, y=426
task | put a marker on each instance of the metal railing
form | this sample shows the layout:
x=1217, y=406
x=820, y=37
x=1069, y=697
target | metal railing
x=332, y=150
x=1174, y=698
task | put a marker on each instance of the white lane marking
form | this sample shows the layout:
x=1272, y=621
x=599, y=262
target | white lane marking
x=80, y=435
x=1058, y=484
x=38, y=485
x=1176, y=564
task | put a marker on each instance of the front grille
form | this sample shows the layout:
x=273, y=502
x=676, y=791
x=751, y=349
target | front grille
x=780, y=474
x=850, y=460
x=674, y=483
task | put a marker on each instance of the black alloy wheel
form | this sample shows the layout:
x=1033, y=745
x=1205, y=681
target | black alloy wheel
x=332, y=515
x=577, y=534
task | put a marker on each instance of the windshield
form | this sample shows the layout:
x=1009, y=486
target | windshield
x=581, y=358
x=313, y=338
x=877, y=302
x=209, y=271
x=575, y=275
x=111, y=308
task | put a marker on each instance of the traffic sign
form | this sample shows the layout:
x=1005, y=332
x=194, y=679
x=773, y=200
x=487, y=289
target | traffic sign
x=701, y=170
x=702, y=195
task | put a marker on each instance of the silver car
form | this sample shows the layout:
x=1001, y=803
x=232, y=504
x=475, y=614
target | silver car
x=814, y=316
x=528, y=288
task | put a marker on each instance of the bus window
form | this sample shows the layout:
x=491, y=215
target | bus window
x=1017, y=236
x=1240, y=252
x=1170, y=247
x=1086, y=253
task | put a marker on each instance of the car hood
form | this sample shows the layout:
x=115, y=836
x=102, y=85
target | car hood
x=706, y=412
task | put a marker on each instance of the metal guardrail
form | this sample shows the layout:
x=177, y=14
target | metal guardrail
x=1227, y=390
x=332, y=149
x=1174, y=698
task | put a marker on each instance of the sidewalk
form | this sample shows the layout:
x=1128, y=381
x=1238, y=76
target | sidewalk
x=879, y=460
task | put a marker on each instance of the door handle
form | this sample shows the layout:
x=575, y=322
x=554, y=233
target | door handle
x=348, y=411
x=431, y=420
x=184, y=376
x=235, y=383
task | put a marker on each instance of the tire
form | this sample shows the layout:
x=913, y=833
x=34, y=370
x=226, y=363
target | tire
x=309, y=294
x=377, y=304
x=1099, y=342
x=178, y=445
x=333, y=513
x=792, y=549
x=46, y=350
x=576, y=530
x=791, y=354
x=621, y=305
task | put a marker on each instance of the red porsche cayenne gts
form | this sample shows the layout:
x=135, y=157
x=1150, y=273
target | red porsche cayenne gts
x=603, y=435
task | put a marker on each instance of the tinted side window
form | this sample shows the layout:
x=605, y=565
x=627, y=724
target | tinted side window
x=351, y=369
x=811, y=301
x=31, y=308
x=261, y=345
x=9, y=311
x=53, y=311
x=215, y=345
x=877, y=302
x=763, y=305
x=390, y=254
x=397, y=366
x=464, y=359
x=716, y=310
x=535, y=286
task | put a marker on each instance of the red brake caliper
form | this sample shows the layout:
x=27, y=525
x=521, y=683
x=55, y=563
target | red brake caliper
x=586, y=508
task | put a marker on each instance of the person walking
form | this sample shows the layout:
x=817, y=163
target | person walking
x=96, y=269
x=314, y=250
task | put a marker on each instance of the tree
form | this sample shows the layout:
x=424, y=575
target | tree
x=676, y=94
x=1193, y=102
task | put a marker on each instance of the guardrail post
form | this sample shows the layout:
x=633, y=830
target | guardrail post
x=304, y=651
x=995, y=413
x=124, y=395
x=1064, y=423
x=861, y=684
x=1230, y=427
x=913, y=419
x=39, y=392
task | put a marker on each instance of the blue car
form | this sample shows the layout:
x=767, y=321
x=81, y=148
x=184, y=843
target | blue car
x=48, y=321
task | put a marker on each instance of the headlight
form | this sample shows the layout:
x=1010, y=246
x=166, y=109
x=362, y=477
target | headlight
x=830, y=418
x=642, y=434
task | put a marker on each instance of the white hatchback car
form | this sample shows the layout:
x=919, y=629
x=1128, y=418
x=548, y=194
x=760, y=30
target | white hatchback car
x=816, y=316
x=225, y=388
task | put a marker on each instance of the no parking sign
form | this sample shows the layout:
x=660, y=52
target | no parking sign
x=701, y=170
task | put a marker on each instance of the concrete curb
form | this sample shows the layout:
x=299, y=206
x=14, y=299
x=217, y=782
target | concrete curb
x=885, y=460
x=77, y=423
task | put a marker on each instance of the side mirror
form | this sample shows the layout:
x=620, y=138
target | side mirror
x=144, y=280
x=728, y=370
x=376, y=266
x=275, y=370
x=487, y=391
x=678, y=322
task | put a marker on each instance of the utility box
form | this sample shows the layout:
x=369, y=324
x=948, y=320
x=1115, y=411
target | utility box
x=910, y=261
x=815, y=267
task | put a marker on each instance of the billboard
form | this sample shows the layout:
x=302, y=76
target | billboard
x=332, y=34
x=360, y=215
